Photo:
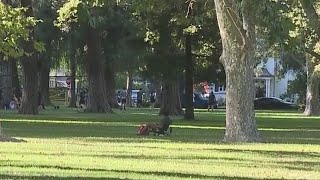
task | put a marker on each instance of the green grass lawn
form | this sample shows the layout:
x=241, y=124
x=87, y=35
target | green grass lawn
x=66, y=144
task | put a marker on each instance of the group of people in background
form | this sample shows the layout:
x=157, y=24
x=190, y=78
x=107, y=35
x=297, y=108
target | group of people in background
x=122, y=99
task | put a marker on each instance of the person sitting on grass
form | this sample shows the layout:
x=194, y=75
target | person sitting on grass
x=145, y=128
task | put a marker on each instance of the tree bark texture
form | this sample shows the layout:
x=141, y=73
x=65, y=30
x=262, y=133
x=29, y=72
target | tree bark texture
x=189, y=114
x=110, y=78
x=170, y=99
x=29, y=103
x=73, y=99
x=15, y=77
x=97, y=98
x=312, y=96
x=238, y=60
x=44, y=81
x=129, y=88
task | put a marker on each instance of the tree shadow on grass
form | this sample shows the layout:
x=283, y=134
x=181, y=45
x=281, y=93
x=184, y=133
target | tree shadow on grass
x=156, y=174
x=54, y=178
x=275, y=153
x=201, y=131
x=110, y=178
x=109, y=133
x=6, y=138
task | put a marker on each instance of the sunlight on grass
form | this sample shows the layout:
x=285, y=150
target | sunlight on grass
x=94, y=146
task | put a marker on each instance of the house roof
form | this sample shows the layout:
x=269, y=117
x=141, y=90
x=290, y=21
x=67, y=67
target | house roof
x=263, y=73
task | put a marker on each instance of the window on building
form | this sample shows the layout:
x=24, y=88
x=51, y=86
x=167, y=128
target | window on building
x=219, y=88
x=216, y=88
x=52, y=83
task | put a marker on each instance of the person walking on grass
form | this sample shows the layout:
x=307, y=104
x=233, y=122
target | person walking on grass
x=123, y=96
x=212, y=101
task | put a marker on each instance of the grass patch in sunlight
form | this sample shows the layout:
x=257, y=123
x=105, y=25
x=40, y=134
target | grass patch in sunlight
x=65, y=144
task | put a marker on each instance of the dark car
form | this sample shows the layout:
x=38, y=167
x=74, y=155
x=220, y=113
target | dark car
x=200, y=102
x=273, y=103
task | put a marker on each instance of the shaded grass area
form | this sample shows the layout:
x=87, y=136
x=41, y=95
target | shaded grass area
x=66, y=144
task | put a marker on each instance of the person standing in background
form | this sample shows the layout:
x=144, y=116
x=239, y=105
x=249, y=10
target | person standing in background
x=212, y=101
x=123, y=96
x=152, y=99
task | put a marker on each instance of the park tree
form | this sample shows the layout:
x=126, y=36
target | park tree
x=164, y=57
x=13, y=62
x=50, y=35
x=11, y=33
x=91, y=18
x=295, y=39
x=312, y=56
x=202, y=48
x=237, y=29
x=186, y=25
x=29, y=102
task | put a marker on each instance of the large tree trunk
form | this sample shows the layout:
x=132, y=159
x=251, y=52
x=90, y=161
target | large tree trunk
x=238, y=59
x=313, y=77
x=170, y=99
x=129, y=89
x=73, y=99
x=312, y=96
x=6, y=138
x=44, y=81
x=189, y=80
x=15, y=78
x=29, y=103
x=97, y=98
x=110, y=78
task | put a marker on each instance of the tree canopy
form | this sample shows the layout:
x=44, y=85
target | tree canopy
x=14, y=28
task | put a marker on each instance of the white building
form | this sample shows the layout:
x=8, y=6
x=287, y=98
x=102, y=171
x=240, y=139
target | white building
x=267, y=82
x=58, y=78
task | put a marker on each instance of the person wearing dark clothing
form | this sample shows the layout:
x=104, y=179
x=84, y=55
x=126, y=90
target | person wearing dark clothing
x=154, y=127
x=123, y=96
x=152, y=99
x=139, y=99
x=82, y=97
x=212, y=101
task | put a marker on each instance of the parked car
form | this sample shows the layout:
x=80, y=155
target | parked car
x=273, y=103
x=199, y=102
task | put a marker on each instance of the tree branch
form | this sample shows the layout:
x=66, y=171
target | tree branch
x=313, y=17
x=303, y=65
x=201, y=55
x=314, y=54
x=235, y=20
x=190, y=6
